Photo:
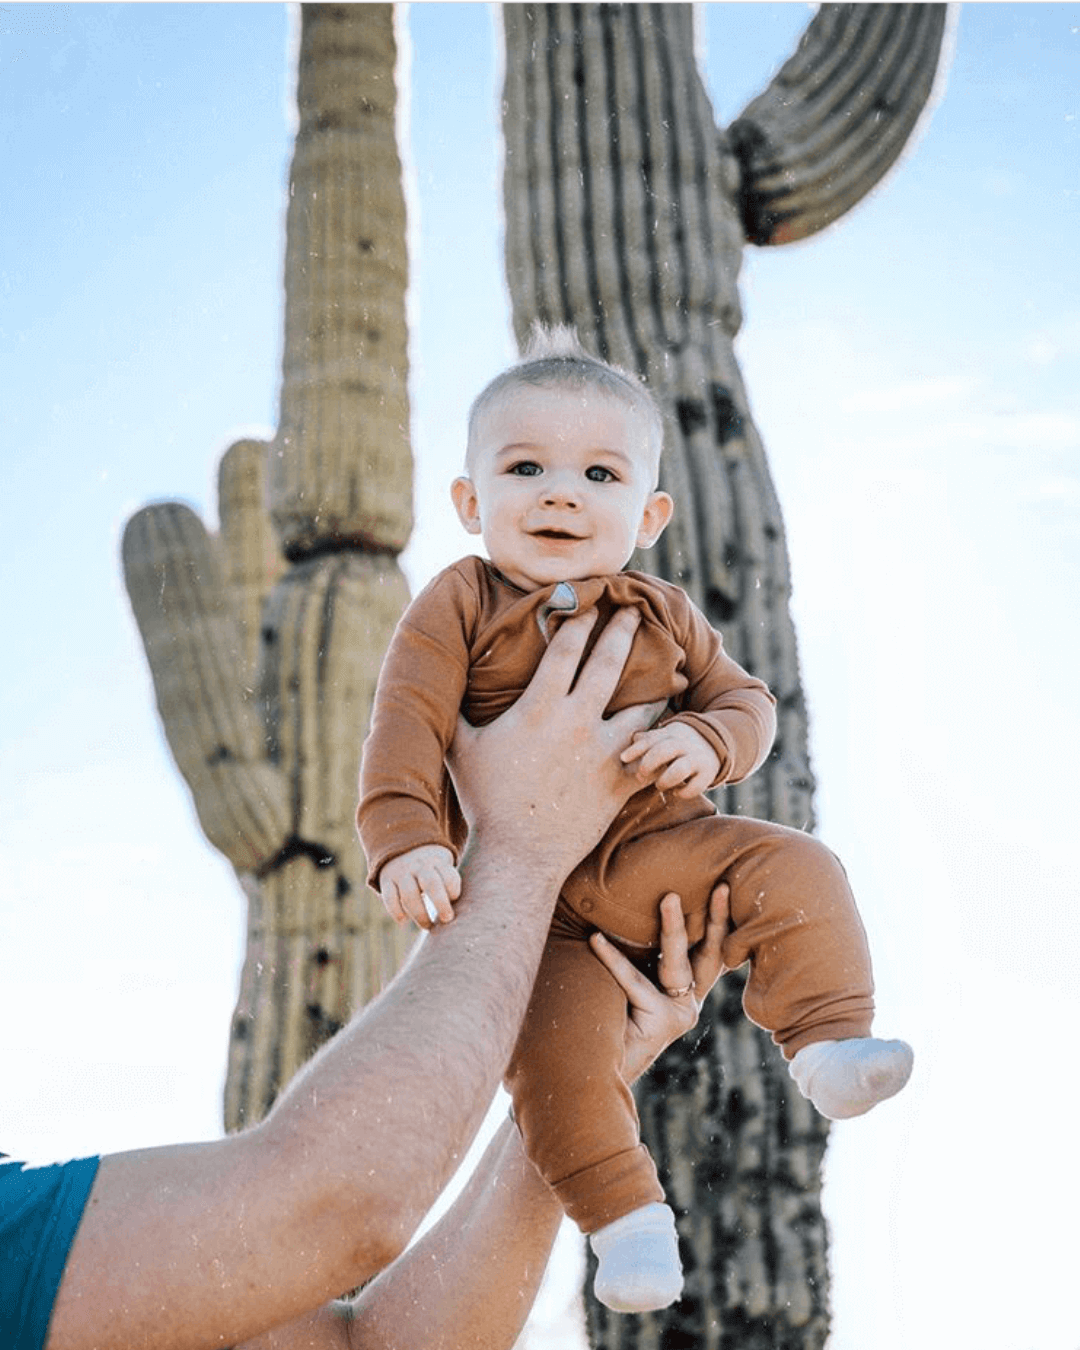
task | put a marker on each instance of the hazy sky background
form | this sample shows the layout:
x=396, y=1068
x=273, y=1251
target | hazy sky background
x=914, y=374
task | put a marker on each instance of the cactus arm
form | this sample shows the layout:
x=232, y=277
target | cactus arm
x=173, y=573
x=836, y=117
x=251, y=556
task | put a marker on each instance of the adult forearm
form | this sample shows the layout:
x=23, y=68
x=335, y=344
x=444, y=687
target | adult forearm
x=385, y=1112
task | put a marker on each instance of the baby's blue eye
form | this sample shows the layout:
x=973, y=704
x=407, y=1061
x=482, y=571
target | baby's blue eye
x=525, y=468
x=597, y=473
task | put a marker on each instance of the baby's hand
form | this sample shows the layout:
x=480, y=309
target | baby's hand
x=425, y=872
x=675, y=758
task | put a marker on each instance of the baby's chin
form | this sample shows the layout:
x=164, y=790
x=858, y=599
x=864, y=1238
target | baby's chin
x=548, y=576
x=551, y=572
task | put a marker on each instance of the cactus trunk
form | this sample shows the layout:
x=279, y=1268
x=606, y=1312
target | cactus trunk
x=625, y=211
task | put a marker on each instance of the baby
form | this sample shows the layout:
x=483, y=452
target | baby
x=561, y=483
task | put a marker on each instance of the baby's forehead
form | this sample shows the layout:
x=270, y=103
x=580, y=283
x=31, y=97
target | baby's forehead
x=575, y=406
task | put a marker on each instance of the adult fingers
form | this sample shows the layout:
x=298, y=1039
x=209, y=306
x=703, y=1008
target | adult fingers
x=555, y=674
x=623, y=726
x=639, y=989
x=654, y=1020
x=706, y=960
x=600, y=674
x=675, y=970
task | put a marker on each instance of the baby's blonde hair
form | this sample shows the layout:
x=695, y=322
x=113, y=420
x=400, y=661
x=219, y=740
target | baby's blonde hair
x=555, y=358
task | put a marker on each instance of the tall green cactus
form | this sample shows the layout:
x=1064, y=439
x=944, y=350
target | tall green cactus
x=627, y=210
x=265, y=641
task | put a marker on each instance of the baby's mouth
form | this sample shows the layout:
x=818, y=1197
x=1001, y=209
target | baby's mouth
x=554, y=534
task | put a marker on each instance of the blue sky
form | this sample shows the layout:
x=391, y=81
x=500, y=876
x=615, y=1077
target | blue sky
x=914, y=372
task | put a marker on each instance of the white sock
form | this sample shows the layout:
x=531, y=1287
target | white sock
x=639, y=1267
x=847, y=1078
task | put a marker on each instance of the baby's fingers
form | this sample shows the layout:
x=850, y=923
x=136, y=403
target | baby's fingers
x=436, y=902
x=637, y=747
x=440, y=886
x=656, y=755
x=698, y=783
x=392, y=903
x=417, y=910
x=452, y=881
x=679, y=772
x=410, y=898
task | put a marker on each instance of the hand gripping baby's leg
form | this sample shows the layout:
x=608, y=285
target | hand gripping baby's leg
x=639, y=1268
x=847, y=1078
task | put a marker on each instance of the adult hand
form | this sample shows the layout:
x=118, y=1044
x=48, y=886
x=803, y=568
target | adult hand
x=545, y=779
x=660, y=1015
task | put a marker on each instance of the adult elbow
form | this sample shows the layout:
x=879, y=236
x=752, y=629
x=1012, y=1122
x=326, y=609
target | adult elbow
x=378, y=1213
x=356, y=1217
x=382, y=1227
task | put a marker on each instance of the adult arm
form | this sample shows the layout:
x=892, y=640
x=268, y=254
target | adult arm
x=471, y=1280
x=211, y=1244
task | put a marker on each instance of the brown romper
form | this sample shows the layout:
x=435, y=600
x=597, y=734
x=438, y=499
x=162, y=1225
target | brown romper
x=471, y=641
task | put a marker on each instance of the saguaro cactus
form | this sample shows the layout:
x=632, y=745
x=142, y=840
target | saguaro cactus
x=265, y=641
x=627, y=210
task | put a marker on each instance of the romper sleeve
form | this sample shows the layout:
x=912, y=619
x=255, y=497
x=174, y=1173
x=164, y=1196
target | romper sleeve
x=732, y=709
x=404, y=785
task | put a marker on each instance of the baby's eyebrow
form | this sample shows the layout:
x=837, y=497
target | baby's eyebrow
x=532, y=448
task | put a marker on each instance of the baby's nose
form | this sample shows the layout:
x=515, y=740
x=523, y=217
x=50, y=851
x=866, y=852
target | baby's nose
x=560, y=492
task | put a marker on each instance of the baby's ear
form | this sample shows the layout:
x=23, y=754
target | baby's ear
x=466, y=503
x=654, y=519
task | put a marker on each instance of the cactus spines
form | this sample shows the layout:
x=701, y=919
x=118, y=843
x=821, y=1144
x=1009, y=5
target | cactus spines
x=265, y=641
x=627, y=210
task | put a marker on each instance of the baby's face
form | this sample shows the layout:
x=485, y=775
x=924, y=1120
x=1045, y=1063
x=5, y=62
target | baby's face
x=561, y=485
